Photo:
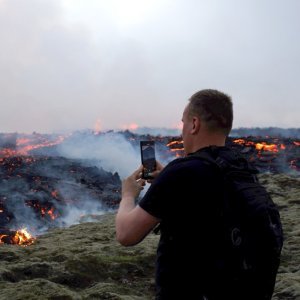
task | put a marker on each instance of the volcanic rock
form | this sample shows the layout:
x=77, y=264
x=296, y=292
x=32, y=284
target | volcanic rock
x=39, y=191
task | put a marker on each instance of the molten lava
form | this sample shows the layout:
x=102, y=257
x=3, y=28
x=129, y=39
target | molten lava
x=23, y=145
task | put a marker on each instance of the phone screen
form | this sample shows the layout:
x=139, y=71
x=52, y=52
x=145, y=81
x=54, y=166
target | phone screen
x=148, y=158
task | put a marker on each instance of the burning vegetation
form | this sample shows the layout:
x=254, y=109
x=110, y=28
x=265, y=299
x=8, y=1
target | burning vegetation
x=20, y=237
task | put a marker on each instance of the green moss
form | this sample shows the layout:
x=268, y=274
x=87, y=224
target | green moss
x=85, y=261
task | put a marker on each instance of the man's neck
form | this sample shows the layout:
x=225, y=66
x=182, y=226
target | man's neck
x=212, y=140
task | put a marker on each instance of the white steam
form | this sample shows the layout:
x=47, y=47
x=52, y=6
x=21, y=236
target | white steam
x=111, y=151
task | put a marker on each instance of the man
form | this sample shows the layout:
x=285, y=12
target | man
x=184, y=198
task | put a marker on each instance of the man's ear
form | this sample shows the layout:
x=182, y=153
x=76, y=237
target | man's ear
x=196, y=125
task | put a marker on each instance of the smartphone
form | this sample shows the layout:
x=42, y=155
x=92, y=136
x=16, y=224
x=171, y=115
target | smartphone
x=148, y=158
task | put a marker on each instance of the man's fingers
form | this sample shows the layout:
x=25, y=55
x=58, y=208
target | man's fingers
x=159, y=166
x=154, y=173
x=137, y=173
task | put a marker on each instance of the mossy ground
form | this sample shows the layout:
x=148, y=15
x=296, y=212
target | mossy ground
x=84, y=261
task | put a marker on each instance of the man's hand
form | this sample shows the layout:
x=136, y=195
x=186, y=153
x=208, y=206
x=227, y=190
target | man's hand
x=133, y=184
x=132, y=222
x=154, y=174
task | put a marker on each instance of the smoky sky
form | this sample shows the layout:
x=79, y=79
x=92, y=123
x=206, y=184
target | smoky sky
x=66, y=66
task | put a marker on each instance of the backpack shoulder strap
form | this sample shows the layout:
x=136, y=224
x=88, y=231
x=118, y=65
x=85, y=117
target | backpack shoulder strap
x=227, y=161
x=218, y=161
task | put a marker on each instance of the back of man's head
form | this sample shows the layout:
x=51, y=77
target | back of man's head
x=214, y=108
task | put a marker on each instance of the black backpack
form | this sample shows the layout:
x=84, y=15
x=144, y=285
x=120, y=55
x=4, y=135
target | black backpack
x=253, y=236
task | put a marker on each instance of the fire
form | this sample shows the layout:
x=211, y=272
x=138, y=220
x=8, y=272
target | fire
x=131, y=126
x=23, y=238
x=51, y=213
x=266, y=147
x=263, y=146
x=26, y=149
x=178, y=126
x=54, y=194
x=45, y=211
x=282, y=146
x=177, y=147
x=97, y=127
x=1, y=238
x=175, y=143
x=244, y=142
x=7, y=152
x=20, y=237
x=22, y=141
x=24, y=145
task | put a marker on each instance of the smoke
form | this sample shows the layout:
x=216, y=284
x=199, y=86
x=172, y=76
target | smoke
x=64, y=184
x=87, y=211
x=67, y=72
x=43, y=191
x=266, y=131
x=158, y=131
x=111, y=151
x=18, y=209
